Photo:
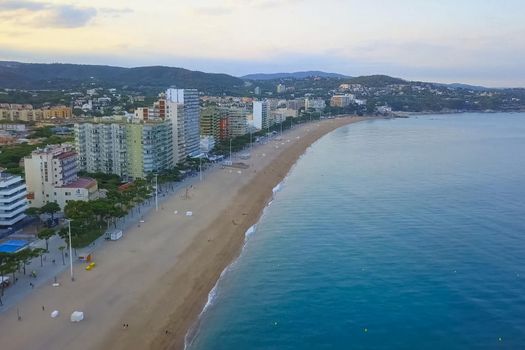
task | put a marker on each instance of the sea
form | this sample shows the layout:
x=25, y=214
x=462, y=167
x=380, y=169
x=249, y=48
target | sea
x=386, y=234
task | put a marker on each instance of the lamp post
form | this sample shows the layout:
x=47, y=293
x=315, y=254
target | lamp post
x=70, y=250
x=156, y=193
x=231, y=150
x=200, y=168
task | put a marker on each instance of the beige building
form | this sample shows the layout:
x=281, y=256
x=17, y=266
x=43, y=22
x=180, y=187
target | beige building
x=19, y=112
x=237, y=121
x=341, y=101
x=58, y=112
x=26, y=112
x=51, y=176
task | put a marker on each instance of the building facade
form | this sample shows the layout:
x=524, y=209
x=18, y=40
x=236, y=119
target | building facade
x=261, y=114
x=102, y=147
x=237, y=120
x=184, y=111
x=52, y=176
x=341, y=101
x=26, y=112
x=13, y=202
x=129, y=150
x=314, y=103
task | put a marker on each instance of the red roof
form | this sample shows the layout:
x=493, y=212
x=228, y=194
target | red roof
x=81, y=182
x=125, y=186
x=65, y=155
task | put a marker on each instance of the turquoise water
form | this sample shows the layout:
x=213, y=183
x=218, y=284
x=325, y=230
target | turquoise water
x=388, y=234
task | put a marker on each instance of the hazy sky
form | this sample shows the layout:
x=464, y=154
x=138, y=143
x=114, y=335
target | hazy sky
x=472, y=41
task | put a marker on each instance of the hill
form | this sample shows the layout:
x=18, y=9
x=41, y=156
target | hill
x=37, y=76
x=376, y=81
x=294, y=75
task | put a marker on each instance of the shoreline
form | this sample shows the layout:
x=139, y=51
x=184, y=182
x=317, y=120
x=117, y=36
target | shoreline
x=192, y=324
x=158, y=277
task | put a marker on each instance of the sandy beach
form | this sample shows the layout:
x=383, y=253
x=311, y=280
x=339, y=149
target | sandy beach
x=157, y=278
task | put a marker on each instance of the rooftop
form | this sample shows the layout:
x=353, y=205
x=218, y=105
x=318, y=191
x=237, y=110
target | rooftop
x=81, y=182
x=6, y=176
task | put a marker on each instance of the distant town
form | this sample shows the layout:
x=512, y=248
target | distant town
x=91, y=153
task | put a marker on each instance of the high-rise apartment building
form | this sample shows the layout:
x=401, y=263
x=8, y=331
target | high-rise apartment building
x=237, y=120
x=130, y=150
x=184, y=111
x=102, y=147
x=209, y=122
x=261, y=114
x=149, y=147
x=13, y=201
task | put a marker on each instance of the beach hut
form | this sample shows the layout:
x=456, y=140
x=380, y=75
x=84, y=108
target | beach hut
x=86, y=254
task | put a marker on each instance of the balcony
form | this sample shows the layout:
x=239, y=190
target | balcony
x=9, y=191
x=10, y=214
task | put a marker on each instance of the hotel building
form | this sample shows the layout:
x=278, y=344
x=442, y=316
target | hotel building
x=13, y=202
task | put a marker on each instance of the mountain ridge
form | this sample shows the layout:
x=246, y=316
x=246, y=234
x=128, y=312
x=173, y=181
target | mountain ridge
x=17, y=75
x=292, y=75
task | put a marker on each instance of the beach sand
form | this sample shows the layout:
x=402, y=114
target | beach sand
x=157, y=278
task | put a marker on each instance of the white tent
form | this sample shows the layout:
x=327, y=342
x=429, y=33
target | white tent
x=55, y=314
x=77, y=316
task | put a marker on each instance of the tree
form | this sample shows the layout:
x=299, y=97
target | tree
x=34, y=213
x=61, y=248
x=24, y=257
x=50, y=208
x=8, y=265
x=39, y=252
x=46, y=234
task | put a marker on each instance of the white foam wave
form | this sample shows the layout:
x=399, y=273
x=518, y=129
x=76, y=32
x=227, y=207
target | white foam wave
x=250, y=231
x=212, y=295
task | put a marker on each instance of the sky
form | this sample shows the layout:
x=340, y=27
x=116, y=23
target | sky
x=478, y=42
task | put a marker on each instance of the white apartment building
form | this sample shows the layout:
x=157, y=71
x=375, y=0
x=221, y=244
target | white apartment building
x=51, y=176
x=101, y=147
x=13, y=202
x=261, y=114
x=315, y=103
x=182, y=107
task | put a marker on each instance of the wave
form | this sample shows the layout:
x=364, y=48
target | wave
x=212, y=295
x=249, y=232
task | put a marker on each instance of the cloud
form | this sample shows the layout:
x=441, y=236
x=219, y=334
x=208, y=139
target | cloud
x=50, y=15
x=114, y=12
x=67, y=16
x=230, y=6
x=12, y=5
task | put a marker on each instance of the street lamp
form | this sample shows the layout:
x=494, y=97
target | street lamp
x=200, y=168
x=70, y=250
x=156, y=193
x=231, y=149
